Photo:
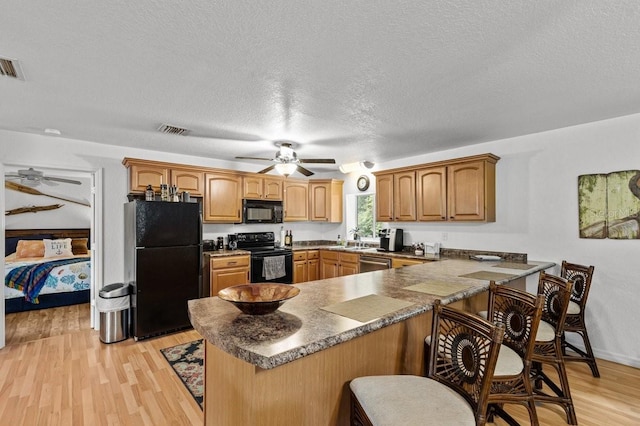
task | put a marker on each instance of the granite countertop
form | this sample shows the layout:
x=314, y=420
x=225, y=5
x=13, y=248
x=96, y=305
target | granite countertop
x=300, y=327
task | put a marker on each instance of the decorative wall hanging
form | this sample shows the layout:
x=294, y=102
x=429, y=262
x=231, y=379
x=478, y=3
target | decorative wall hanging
x=609, y=205
x=27, y=190
x=32, y=209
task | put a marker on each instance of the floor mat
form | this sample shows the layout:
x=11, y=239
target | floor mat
x=187, y=360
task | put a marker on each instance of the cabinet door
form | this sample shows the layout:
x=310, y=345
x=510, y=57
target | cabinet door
x=328, y=264
x=384, y=198
x=191, y=181
x=313, y=269
x=300, y=274
x=227, y=277
x=296, y=200
x=252, y=187
x=141, y=175
x=404, y=197
x=320, y=196
x=431, y=190
x=466, y=193
x=272, y=188
x=348, y=269
x=223, y=198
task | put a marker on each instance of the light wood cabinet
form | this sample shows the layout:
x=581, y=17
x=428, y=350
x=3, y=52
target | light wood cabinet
x=471, y=191
x=296, y=200
x=227, y=271
x=144, y=172
x=223, y=198
x=461, y=189
x=431, y=190
x=399, y=262
x=337, y=264
x=349, y=264
x=300, y=267
x=325, y=198
x=396, y=196
x=313, y=265
x=262, y=187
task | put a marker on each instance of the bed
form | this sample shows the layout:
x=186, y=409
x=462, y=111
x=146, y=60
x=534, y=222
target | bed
x=46, y=268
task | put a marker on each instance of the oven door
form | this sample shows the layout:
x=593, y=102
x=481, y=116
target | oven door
x=258, y=273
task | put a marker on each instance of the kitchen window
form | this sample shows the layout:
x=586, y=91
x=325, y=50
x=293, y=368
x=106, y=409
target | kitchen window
x=365, y=218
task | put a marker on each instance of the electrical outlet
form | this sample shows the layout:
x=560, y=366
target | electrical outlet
x=445, y=236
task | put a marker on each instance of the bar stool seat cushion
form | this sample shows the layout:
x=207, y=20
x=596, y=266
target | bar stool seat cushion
x=546, y=332
x=573, y=309
x=509, y=362
x=411, y=400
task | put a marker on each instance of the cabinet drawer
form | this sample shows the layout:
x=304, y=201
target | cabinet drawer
x=299, y=255
x=329, y=255
x=313, y=254
x=349, y=258
x=229, y=262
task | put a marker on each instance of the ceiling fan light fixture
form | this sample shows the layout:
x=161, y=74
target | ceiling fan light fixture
x=355, y=167
x=286, y=169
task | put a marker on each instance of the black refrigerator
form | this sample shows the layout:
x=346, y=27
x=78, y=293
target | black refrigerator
x=163, y=264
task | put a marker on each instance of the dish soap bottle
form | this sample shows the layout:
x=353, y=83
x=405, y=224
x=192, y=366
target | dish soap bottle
x=339, y=240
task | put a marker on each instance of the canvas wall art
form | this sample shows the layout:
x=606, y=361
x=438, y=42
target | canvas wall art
x=609, y=205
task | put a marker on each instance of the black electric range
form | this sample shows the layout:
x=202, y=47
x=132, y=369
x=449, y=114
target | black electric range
x=262, y=245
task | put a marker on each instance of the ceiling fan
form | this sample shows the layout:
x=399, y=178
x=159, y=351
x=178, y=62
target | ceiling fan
x=32, y=177
x=287, y=160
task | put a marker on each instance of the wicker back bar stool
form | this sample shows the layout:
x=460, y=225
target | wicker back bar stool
x=520, y=312
x=581, y=276
x=548, y=346
x=455, y=391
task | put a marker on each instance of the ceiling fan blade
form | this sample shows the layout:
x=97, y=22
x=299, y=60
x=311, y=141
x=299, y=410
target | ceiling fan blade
x=304, y=171
x=11, y=175
x=254, y=158
x=48, y=182
x=318, y=160
x=56, y=179
x=268, y=169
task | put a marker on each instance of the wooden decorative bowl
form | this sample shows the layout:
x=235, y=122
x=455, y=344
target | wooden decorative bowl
x=258, y=299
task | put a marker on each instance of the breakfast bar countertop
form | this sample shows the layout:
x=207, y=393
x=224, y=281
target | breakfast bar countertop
x=309, y=323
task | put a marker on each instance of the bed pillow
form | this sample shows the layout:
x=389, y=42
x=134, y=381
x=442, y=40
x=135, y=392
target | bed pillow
x=79, y=246
x=29, y=248
x=58, y=248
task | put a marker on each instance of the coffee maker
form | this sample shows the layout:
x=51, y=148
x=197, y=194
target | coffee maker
x=391, y=239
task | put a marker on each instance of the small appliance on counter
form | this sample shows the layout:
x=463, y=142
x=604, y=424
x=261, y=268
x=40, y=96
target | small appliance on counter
x=208, y=245
x=391, y=239
x=232, y=241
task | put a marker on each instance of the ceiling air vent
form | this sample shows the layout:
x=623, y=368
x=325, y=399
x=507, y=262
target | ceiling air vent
x=11, y=68
x=172, y=130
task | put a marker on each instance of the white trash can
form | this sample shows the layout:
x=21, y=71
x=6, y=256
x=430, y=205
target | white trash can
x=113, y=304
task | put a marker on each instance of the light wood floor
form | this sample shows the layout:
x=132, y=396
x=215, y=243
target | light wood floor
x=71, y=378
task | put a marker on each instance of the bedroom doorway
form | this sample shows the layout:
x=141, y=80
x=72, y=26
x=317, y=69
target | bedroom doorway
x=56, y=320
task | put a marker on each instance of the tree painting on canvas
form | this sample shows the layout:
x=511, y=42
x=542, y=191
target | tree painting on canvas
x=609, y=205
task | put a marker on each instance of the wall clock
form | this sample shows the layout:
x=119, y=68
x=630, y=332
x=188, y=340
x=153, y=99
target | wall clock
x=363, y=183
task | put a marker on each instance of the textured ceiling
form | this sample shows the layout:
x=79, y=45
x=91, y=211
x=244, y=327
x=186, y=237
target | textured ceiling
x=353, y=80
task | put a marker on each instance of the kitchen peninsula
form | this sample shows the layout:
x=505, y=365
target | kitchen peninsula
x=293, y=366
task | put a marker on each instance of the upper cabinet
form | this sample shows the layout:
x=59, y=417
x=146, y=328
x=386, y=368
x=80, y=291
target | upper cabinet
x=471, y=191
x=222, y=190
x=143, y=173
x=261, y=187
x=396, y=196
x=458, y=190
x=325, y=200
x=296, y=200
x=223, y=198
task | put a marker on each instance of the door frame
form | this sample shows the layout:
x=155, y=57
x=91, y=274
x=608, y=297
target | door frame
x=97, y=232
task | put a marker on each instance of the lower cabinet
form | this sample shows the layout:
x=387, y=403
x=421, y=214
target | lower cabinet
x=338, y=264
x=306, y=265
x=227, y=271
x=399, y=263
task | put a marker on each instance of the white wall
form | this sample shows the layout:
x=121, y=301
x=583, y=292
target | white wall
x=537, y=210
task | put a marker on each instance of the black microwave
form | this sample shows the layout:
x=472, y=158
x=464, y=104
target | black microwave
x=261, y=211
